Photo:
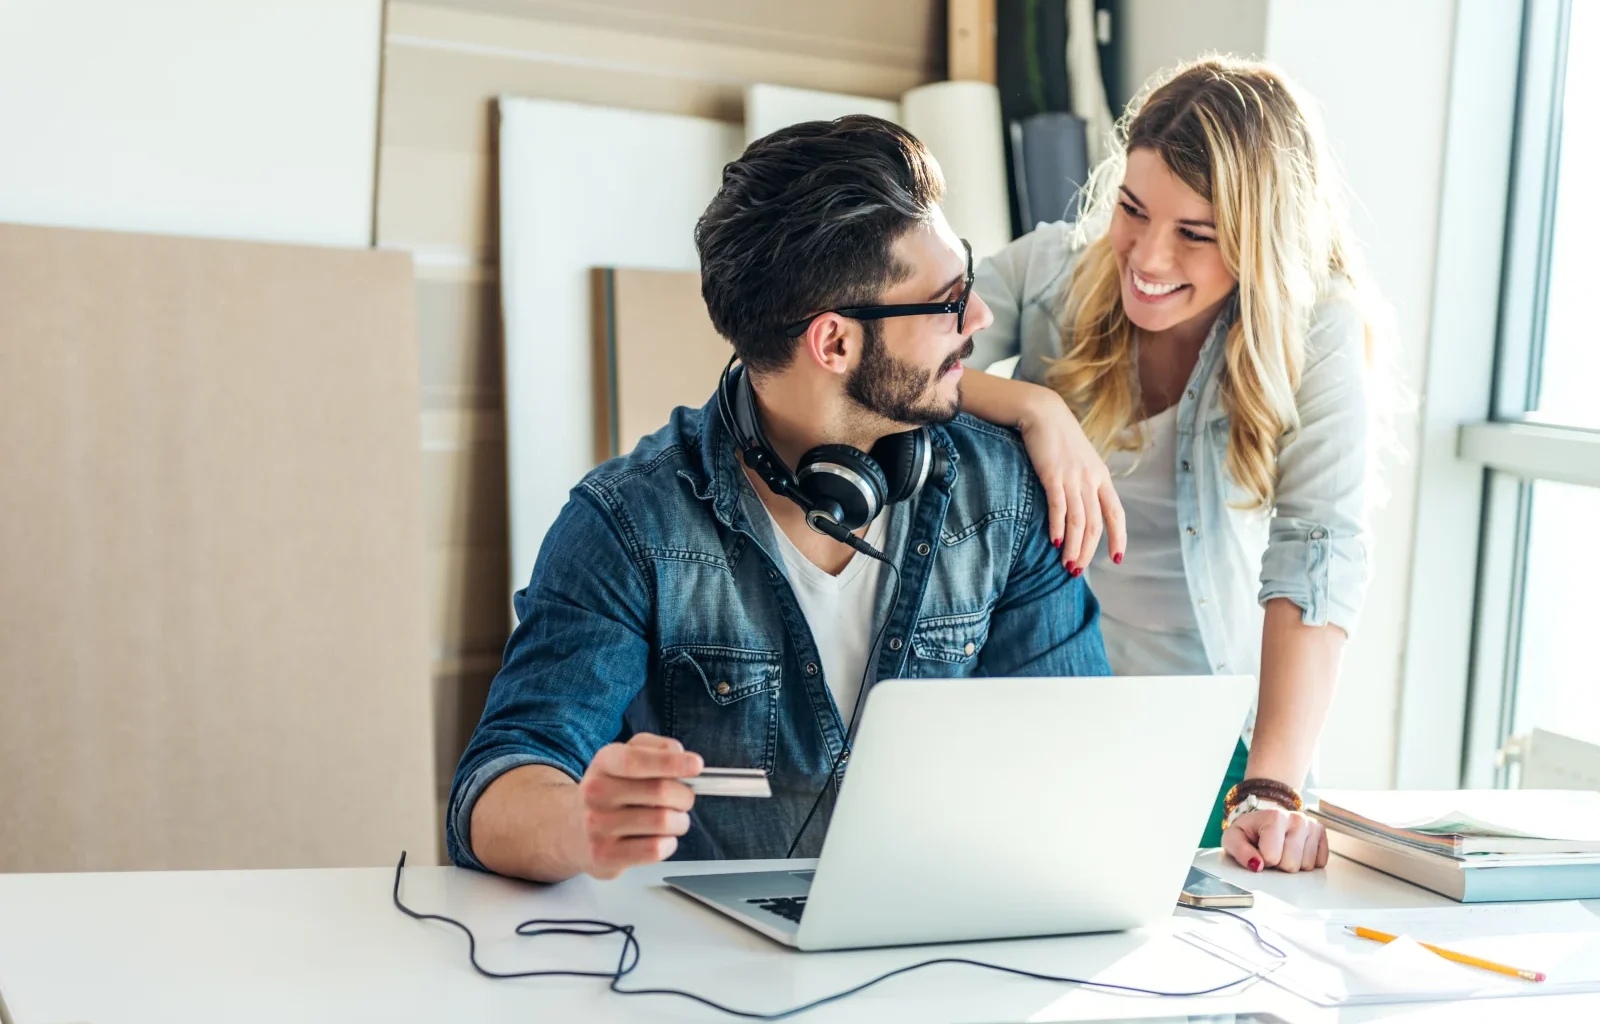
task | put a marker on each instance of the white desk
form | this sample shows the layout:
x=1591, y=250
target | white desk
x=314, y=946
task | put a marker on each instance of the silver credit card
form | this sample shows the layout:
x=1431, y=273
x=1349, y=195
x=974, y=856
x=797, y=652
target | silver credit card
x=746, y=782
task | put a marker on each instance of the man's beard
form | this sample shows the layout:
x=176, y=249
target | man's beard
x=898, y=390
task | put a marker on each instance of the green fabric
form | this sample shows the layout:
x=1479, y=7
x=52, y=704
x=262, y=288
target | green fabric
x=1235, y=774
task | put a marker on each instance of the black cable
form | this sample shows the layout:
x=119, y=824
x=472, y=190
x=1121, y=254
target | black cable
x=845, y=537
x=1263, y=943
x=537, y=927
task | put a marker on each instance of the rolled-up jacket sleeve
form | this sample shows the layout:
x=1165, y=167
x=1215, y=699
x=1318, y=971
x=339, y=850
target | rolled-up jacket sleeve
x=1318, y=551
x=577, y=659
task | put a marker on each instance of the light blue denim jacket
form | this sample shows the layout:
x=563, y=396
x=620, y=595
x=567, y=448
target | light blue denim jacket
x=660, y=604
x=1313, y=548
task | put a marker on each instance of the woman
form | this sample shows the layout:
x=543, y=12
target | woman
x=1205, y=338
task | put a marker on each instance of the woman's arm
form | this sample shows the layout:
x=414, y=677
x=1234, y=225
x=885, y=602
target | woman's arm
x=1313, y=577
x=1083, y=501
x=1299, y=669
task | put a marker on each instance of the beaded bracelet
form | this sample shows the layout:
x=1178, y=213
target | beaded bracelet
x=1248, y=795
x=1270, y=789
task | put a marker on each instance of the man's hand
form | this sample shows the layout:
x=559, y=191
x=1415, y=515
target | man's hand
x=1273, y=837
x=634, y=808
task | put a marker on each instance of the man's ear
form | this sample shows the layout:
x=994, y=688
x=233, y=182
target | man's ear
x=831, y=342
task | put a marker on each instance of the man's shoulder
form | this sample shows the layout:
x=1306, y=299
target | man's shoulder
x=654, y=464
x=993, y=472
x=981, y=439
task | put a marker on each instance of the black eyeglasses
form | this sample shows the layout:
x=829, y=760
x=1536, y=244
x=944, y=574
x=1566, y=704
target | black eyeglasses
x=958, y=307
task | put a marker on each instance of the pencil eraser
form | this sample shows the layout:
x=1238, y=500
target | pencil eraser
x=1538, y=975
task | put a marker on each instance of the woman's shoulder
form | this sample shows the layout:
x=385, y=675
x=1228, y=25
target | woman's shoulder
x=1337, y=327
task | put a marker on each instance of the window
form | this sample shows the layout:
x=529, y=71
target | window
x=1569, y=357
x=1536, y=643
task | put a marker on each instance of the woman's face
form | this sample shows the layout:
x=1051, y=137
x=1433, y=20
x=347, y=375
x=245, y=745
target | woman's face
x=1165, y=241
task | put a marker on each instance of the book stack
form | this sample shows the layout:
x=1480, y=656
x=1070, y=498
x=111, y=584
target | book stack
x=1476, y=846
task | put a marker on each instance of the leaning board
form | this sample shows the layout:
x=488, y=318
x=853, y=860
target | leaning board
x=211, y=607
x=582, y=187
x=770, y=107
x=655, y=349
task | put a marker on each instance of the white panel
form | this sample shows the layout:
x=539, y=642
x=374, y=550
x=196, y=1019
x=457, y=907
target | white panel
x=960, y=124
x=582, y=187
x=223, y=118
x=770, y=107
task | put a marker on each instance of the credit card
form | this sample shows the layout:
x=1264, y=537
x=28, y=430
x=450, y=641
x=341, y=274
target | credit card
x=746, y=782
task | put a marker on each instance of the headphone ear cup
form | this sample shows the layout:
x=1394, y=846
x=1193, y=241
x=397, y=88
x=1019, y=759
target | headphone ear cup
x=902, y=457
x=837, y=476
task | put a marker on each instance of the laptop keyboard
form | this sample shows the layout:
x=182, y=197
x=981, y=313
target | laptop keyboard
x=788, y=907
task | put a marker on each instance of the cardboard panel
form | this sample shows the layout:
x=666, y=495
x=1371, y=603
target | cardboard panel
x=212, y=647
x=658, y=348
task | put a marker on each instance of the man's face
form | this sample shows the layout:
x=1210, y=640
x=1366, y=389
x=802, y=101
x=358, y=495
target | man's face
x=910, y=367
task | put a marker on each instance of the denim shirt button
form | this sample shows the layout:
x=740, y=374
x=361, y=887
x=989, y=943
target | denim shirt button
x=1186, y=465
x=1190, y=394
x=772, y=574
x=811, y=668
x=722, y=689
x=895, y=643
x=923, y=548
x=1192, y=531
x=1318, y=533
x=969, y=648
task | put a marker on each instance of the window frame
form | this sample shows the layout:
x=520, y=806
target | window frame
x=1475, y=505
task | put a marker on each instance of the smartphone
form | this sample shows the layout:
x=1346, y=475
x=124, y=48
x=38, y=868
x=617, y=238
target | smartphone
x=1204, y=889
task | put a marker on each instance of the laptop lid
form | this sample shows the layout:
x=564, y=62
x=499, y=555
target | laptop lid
x=998, y=808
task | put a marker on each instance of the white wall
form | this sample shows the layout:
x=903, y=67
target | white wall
x=1388, y=130
x=227, y=118
x=1157, y=34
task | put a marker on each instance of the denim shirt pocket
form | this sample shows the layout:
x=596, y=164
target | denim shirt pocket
x=949, y=645
x=722, y=703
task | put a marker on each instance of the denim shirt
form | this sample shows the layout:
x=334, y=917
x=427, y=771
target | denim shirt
x=659, y=603
x=1312, y=548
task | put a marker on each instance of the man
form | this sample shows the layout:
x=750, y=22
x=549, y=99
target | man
x=683, y=614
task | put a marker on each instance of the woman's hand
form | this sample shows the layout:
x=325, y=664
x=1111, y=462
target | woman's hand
x=1274, y=837
x=1083, y=502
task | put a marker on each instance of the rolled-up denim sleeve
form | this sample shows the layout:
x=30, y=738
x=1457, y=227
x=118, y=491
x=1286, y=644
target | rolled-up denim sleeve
x=578, y=657
x=1319, y=543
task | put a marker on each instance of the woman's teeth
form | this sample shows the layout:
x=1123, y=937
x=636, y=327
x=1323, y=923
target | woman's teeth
x=1151, y=288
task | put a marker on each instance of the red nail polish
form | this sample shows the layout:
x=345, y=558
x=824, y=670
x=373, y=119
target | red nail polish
x=1076, y=572
x=1072, y=567
x=1056, y=542
x=1255, y=863
x=1116, y=559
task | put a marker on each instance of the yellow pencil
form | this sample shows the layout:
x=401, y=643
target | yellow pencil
x=1450, y=954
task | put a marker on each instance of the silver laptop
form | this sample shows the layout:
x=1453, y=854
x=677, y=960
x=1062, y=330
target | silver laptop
x=1003, y=808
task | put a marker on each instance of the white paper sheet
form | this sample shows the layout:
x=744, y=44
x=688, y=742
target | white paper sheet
x=1331, y=967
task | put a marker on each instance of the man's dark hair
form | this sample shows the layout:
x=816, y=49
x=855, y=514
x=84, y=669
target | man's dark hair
x=805, y=221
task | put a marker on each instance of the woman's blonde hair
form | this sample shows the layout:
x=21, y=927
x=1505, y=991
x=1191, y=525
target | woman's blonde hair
x=1236, y=133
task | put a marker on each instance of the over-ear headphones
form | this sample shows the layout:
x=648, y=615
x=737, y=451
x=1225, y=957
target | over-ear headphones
x=841, y=488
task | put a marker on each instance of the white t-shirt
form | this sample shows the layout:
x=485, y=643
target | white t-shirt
x=1147, y=620
x=841, y=610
